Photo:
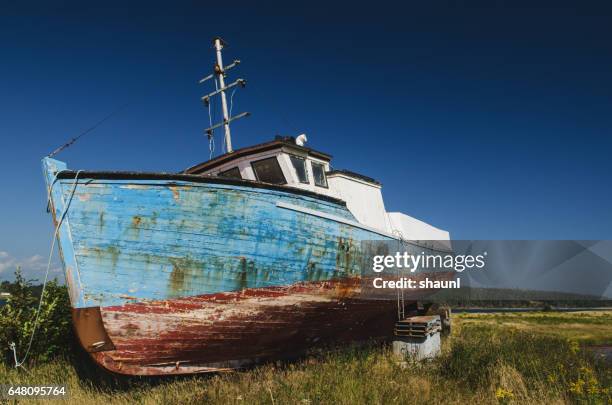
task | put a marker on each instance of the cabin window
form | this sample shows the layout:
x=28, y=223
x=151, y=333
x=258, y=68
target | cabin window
x=299, y=164
x=233, y=173
x=269, y=171
x=318, y=172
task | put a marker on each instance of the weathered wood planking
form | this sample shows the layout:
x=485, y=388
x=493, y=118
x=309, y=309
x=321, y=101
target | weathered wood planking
x=155, y=241
x=231, y=330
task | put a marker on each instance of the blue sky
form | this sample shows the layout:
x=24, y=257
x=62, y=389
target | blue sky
x=492, y=121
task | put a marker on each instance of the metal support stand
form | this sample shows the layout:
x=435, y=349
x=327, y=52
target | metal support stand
x=417, y=337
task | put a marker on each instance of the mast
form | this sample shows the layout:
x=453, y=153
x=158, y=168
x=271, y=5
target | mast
x=219, y=74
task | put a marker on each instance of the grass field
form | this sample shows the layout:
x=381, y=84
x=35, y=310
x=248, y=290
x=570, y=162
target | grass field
x=588, y=328
x=489, y=358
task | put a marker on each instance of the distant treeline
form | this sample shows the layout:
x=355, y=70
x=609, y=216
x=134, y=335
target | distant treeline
x=515, y=298
x=7, y=286
x=35, y=289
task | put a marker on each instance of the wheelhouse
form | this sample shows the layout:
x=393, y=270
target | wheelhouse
x=281, y=161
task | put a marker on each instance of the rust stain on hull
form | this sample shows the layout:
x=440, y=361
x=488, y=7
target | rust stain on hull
x=225, y=331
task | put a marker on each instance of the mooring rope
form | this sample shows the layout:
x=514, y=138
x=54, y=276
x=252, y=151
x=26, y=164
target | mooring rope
x=12, y=345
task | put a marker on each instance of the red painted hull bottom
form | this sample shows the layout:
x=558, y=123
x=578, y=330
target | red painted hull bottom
x=232, y=330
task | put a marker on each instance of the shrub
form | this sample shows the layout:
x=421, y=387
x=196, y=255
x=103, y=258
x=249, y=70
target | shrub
x=53, y=334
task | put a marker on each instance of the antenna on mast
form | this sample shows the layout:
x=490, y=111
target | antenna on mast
x=219, y=74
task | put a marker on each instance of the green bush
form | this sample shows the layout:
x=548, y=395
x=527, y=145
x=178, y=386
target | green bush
x=53, y=335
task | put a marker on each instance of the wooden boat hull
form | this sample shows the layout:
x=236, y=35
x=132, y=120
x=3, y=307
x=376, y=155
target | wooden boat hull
x=232, y=330
x=172, y=274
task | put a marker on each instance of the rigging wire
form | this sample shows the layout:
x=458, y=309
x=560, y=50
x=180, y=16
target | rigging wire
x=230, y=110
x=88, y=130
x=211, y=135
x=231, y=102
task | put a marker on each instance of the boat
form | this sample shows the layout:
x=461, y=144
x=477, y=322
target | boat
x=251, y=256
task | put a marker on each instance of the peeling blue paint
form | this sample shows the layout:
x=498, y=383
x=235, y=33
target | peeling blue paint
x=132, y=240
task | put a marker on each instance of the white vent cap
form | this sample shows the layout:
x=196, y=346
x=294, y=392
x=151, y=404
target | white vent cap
x=301, y=140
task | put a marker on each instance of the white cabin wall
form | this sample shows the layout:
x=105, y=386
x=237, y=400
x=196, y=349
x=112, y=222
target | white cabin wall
x=363, y=199
x=414, y=229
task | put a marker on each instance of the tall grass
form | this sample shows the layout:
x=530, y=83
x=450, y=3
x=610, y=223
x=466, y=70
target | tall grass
x=479, y=363
x=487, y=359
x=524, y=366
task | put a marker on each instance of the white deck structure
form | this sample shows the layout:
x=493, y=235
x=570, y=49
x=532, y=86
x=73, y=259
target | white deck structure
x=284, y=161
